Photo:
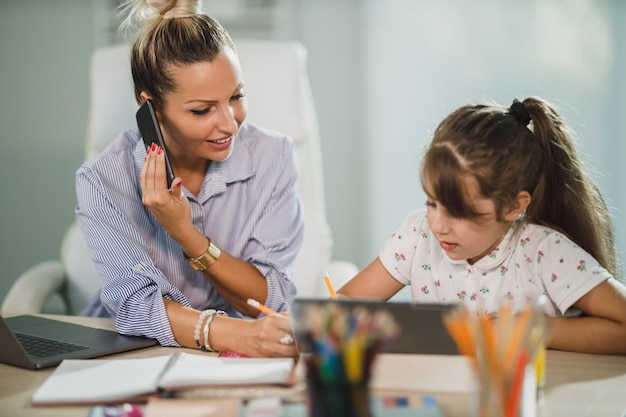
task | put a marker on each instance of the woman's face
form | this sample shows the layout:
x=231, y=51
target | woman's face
x=204, y=112
x=469, y=239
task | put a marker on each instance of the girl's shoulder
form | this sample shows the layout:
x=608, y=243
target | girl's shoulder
x=415, y=223
x=416, y=220
x=536, y=237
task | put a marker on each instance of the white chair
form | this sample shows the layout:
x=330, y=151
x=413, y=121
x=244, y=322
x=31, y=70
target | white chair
x=279, y=97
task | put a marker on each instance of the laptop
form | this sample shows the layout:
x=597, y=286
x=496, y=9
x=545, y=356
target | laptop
x=422, y=329
x=34, y=342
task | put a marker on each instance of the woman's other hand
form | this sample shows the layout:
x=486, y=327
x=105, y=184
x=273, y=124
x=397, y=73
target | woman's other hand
x=268, y=336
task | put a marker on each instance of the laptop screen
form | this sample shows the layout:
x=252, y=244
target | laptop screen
x=421, y=326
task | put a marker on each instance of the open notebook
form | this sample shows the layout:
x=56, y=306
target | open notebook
x=116, y=380
x=34, y=342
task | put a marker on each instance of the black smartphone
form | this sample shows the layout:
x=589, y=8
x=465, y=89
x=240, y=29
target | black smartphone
x=151, y=133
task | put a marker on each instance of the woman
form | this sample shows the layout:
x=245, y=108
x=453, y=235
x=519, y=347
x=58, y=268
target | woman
x=179, y=264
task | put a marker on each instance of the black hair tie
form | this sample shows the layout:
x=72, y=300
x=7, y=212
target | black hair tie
x=519, y=111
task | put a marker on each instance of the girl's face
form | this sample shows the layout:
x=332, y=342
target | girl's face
x=204, y=112
x=469, y=239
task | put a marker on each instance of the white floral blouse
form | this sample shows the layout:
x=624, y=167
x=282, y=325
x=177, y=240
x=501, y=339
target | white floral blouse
x=530, y=261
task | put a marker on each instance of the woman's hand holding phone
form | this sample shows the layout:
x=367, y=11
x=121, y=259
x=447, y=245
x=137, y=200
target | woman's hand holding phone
x=161, y=190
x=170, y=207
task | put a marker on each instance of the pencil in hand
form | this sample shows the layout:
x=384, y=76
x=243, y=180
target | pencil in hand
x=254, y=303
x=329, y=284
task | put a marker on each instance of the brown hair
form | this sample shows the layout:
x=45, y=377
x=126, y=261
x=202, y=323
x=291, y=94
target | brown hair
x=505, y=155
x=175, y=33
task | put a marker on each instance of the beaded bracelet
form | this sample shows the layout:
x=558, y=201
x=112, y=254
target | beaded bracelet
x=196, y=332
x=207, y=325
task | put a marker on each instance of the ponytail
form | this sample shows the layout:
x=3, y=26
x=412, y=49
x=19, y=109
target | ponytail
x=565, y=197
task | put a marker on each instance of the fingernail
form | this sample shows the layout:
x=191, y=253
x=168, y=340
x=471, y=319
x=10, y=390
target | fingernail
x=147, y=150
x=154, y=146
x=160, y=151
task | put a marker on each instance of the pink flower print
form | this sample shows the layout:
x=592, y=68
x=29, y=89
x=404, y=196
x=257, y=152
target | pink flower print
x=554, y=277
x=437, y=283
x=561, y=260
x=461, y=295
x=528, y=260
x=425, y=289
x=424, y=235
x=582, y=266
x=493, y=253
x=426, y=267
x=524, y=241
x=558, y=241
x=399, y=237
x=399, y=257
x=503, y=270
x=484, y=290
x=539, y=256
x=473, y=297
x=414, y=229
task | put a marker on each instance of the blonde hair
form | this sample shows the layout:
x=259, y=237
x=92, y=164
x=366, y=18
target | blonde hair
x=149, y=10
x=171, y=33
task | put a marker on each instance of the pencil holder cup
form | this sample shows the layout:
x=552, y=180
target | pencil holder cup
x=341, y=342
x=332, y=399
x=503, y=348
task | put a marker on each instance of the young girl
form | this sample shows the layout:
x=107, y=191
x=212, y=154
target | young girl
x=179, y=264
x=510, y=215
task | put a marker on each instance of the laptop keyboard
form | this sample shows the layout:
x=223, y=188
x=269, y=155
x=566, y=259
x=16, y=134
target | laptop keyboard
x=39, y=347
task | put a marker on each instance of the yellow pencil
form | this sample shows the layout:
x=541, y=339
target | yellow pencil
x=260, y=307
x=329, y=284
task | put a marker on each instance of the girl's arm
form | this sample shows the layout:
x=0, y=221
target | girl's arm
x=601, y=328
x=374, y=281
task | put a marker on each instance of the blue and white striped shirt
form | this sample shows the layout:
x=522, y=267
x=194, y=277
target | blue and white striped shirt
x=248, y=206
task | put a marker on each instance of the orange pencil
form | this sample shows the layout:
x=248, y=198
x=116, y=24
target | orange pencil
x=329, y=284
x=260, y=307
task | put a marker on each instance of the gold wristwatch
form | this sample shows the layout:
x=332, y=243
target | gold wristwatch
x=206, y=260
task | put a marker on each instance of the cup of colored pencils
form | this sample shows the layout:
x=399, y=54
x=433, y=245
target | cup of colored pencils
x=503, y=349
x=342, y=342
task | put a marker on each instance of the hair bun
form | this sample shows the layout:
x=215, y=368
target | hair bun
x=167, y=9
x=519, y=111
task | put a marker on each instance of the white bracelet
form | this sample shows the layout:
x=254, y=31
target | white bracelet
x=207, y=325
x=196, y=332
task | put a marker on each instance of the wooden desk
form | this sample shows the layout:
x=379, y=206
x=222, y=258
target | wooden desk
x=577, y=385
